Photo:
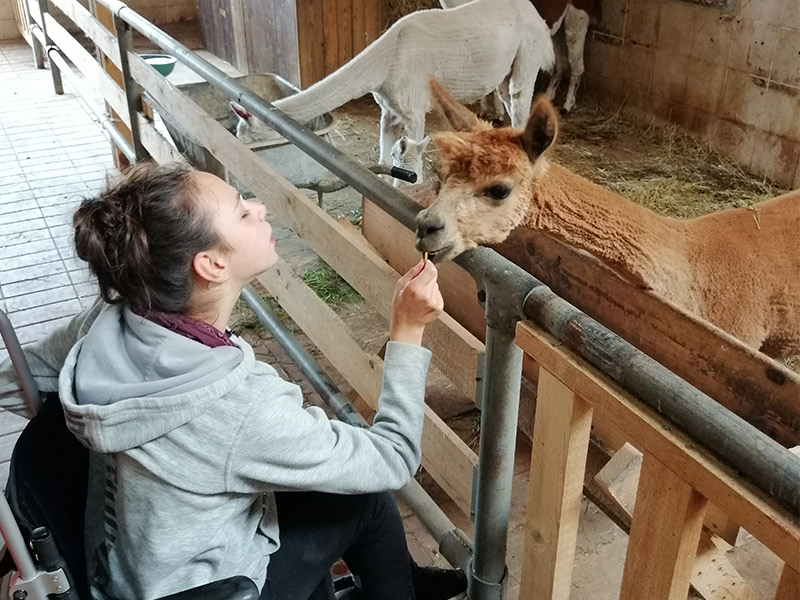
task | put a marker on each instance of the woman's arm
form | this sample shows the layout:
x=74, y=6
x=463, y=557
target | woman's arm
x=45, y=359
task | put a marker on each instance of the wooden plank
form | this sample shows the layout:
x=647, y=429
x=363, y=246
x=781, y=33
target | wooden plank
x=455, y=351
x=359, y=26
x=310, y=42
x=558, y=461
x=344, y=23
x=713, y=575
x=100, y=35
x=753, y=386
x=445, y=456
x=652, y=434
x=665, y=532
x=395, y=243
x=238, y=28
x=749, y=383
x=789, y=584
x=372, y=21
x=365, y=271
x=330, y=35
x=152, y=139
x=285, y=29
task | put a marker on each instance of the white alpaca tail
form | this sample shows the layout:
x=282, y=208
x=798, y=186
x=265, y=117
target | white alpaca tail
x=363, y=74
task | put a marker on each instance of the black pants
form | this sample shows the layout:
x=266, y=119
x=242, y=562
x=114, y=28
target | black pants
x=317, y=529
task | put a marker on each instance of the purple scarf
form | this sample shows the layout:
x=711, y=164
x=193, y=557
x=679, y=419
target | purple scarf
x=206, y=334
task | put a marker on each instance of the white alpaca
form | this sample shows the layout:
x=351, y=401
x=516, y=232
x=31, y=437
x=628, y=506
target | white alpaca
x=472, y=50
x=573, y=18
x=407, y=154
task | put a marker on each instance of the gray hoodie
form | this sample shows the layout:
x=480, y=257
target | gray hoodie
x=189, y=443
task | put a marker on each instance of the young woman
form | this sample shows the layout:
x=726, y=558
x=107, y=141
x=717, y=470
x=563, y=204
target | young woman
x=191, y=437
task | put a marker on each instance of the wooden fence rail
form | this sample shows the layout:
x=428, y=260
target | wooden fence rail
x=677, y=482
x=445, y=456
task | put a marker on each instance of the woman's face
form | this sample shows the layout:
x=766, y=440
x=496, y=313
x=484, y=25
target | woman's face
x=242, y=225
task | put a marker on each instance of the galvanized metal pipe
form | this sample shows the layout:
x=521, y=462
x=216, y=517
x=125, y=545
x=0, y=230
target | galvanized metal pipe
x=55, y=73
x=54, y=54
x=734, y=441
x=133, y=97
x=30, y=391
x=395, y=203
x=774, y=470
x=16, y=544
x=453, y=544
x=501, y=388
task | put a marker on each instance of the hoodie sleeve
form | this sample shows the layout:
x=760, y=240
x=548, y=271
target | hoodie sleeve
x=45, y=359
x=283, y=446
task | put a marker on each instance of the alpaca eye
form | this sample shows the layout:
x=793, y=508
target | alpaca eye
x=497, y=192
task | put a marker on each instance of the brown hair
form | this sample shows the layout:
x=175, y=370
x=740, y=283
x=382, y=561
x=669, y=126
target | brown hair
x=140, y=235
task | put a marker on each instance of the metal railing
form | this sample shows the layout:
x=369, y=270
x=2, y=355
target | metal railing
x=510, y=294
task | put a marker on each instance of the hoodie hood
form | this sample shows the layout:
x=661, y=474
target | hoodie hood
x=130, y=381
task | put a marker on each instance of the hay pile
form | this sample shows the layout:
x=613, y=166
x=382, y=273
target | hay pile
x=657, y=166
x=400, y=8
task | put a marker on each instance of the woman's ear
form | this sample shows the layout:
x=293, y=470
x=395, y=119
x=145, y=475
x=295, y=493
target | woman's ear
x=211, y=266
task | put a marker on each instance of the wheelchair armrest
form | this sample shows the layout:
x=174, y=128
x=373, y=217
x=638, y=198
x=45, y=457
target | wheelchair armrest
x=232, y=588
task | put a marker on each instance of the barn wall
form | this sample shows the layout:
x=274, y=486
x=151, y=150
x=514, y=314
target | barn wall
x=156, y=11
x=8, y=25
x=733, y=78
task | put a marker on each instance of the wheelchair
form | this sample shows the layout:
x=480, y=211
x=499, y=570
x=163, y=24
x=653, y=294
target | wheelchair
x=42, y=512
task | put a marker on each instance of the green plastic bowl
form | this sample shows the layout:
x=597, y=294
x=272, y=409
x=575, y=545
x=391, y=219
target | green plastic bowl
x=163, y=63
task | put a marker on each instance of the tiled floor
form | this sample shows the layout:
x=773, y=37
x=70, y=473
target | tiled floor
x=52, y=154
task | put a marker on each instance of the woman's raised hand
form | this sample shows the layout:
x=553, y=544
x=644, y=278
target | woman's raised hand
x=417, y=301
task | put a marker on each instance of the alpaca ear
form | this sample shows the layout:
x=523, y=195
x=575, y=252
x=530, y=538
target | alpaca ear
x=541, y=130
x=422, y=144
x=403, y=144
x=241, y=111
x=459, y=116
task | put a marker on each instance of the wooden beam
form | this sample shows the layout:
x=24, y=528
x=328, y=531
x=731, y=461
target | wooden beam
x=755, y=387
x=713, y=575
x=455, y=351
x=789, y=584
x=665, y=532
x=753, y=509
x=106, y=19
x=558, y=460
x=373, y=278
x=114, y=96
x=445, y=456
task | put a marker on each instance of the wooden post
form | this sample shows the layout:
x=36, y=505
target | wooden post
x=107, y=20
x=789, y=584
x=558, y=460
x=665, y=532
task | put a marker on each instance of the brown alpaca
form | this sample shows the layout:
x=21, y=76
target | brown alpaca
x=738, y=268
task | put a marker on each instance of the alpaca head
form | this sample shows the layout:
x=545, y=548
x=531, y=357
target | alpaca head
x=486, y=178
x=407, y=153
x=248, y=128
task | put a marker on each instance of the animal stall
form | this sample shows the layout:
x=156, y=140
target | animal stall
x=301, y=41
x=723, y=70
x=450, y=462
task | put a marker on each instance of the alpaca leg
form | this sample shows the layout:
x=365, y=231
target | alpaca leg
x=576, y=26
x=504, y=94
x=415, y=129
x=560, y=47
x=391, y=130
x=520, y=87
